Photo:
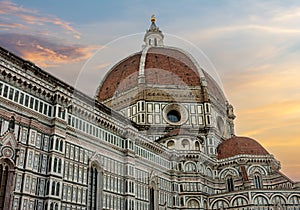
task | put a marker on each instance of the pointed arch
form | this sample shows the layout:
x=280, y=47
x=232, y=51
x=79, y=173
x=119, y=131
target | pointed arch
x=59, y=165
x=95, y=187
x=257, y=180
x=229, y=171
x=209, y=171
x=197, y=145
x=257, y=169
x=61, y=145
x=6, y=182
x=9, y=139
x=229, y=184
x=153, y=192
x=57, y=189
x=53, y=185
x=56, y=144
x=55, y=165
x=52, y=206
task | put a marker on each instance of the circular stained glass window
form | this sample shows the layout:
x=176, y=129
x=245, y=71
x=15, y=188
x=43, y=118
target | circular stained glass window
x=174, y=116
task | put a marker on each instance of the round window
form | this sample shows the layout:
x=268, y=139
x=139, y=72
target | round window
x=174, y=116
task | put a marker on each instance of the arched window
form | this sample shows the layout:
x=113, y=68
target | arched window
x=152, y=198
x=239, y=201
x=61, y=145
x=185, y=143
x=94, y=175
x=51, y=206
x=197, y=145
x=56, y=144
x=260, y=201
x=182, y=201
x=230, y=184
x=55, y=164
x=6, y=183
x=3, y=184
x=170, y=144
x=295, y=200
x=59, y=166
x=95, y=187
x=220, y=204
x=49, y=164
x=51, y=143
x=193, y=203
x=257, y=181
x=47, y=187
x=57, y=189
x=190, y=167
x=205, y=204
x=155, y=42
x=278, y=200
x=53, y=188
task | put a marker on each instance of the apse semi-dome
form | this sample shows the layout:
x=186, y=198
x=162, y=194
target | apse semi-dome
x=237, y=145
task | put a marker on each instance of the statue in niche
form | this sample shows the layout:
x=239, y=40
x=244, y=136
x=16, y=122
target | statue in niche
x=11, y=125
x=230, y=112
x=231, y=117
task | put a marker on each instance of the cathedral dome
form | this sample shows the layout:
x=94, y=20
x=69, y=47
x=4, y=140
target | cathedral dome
x=157, y=66
x=240, y=146
x=162, y=88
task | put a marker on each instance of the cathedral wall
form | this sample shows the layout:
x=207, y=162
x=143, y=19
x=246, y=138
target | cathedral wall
x=61, y=150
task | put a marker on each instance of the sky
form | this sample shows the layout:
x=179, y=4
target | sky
x=252, y=48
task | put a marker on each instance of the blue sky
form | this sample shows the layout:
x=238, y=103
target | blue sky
x=254, y=46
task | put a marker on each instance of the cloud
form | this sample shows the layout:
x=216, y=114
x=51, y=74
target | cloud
x=102, y=66
x=7, y=7
x=32, y=19
x=7, y=26
x=45, y=53
x=221, y=31
x=287, y=14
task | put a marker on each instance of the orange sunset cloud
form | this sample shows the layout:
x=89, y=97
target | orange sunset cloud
x=45, y=53
x=30, y=17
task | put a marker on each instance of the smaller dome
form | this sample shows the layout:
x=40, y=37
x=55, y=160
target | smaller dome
x=240, y=146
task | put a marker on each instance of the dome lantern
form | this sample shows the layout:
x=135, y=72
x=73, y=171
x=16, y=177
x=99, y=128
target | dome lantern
x=153, y=36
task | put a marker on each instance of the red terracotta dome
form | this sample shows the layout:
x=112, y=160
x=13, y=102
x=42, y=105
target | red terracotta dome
x=123, y=76
x=162, y=66
x=159, y=66
x=240, y=146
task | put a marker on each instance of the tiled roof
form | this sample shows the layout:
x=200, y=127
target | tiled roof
x=163, y=66
x=121, y=77
x=239, y=146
